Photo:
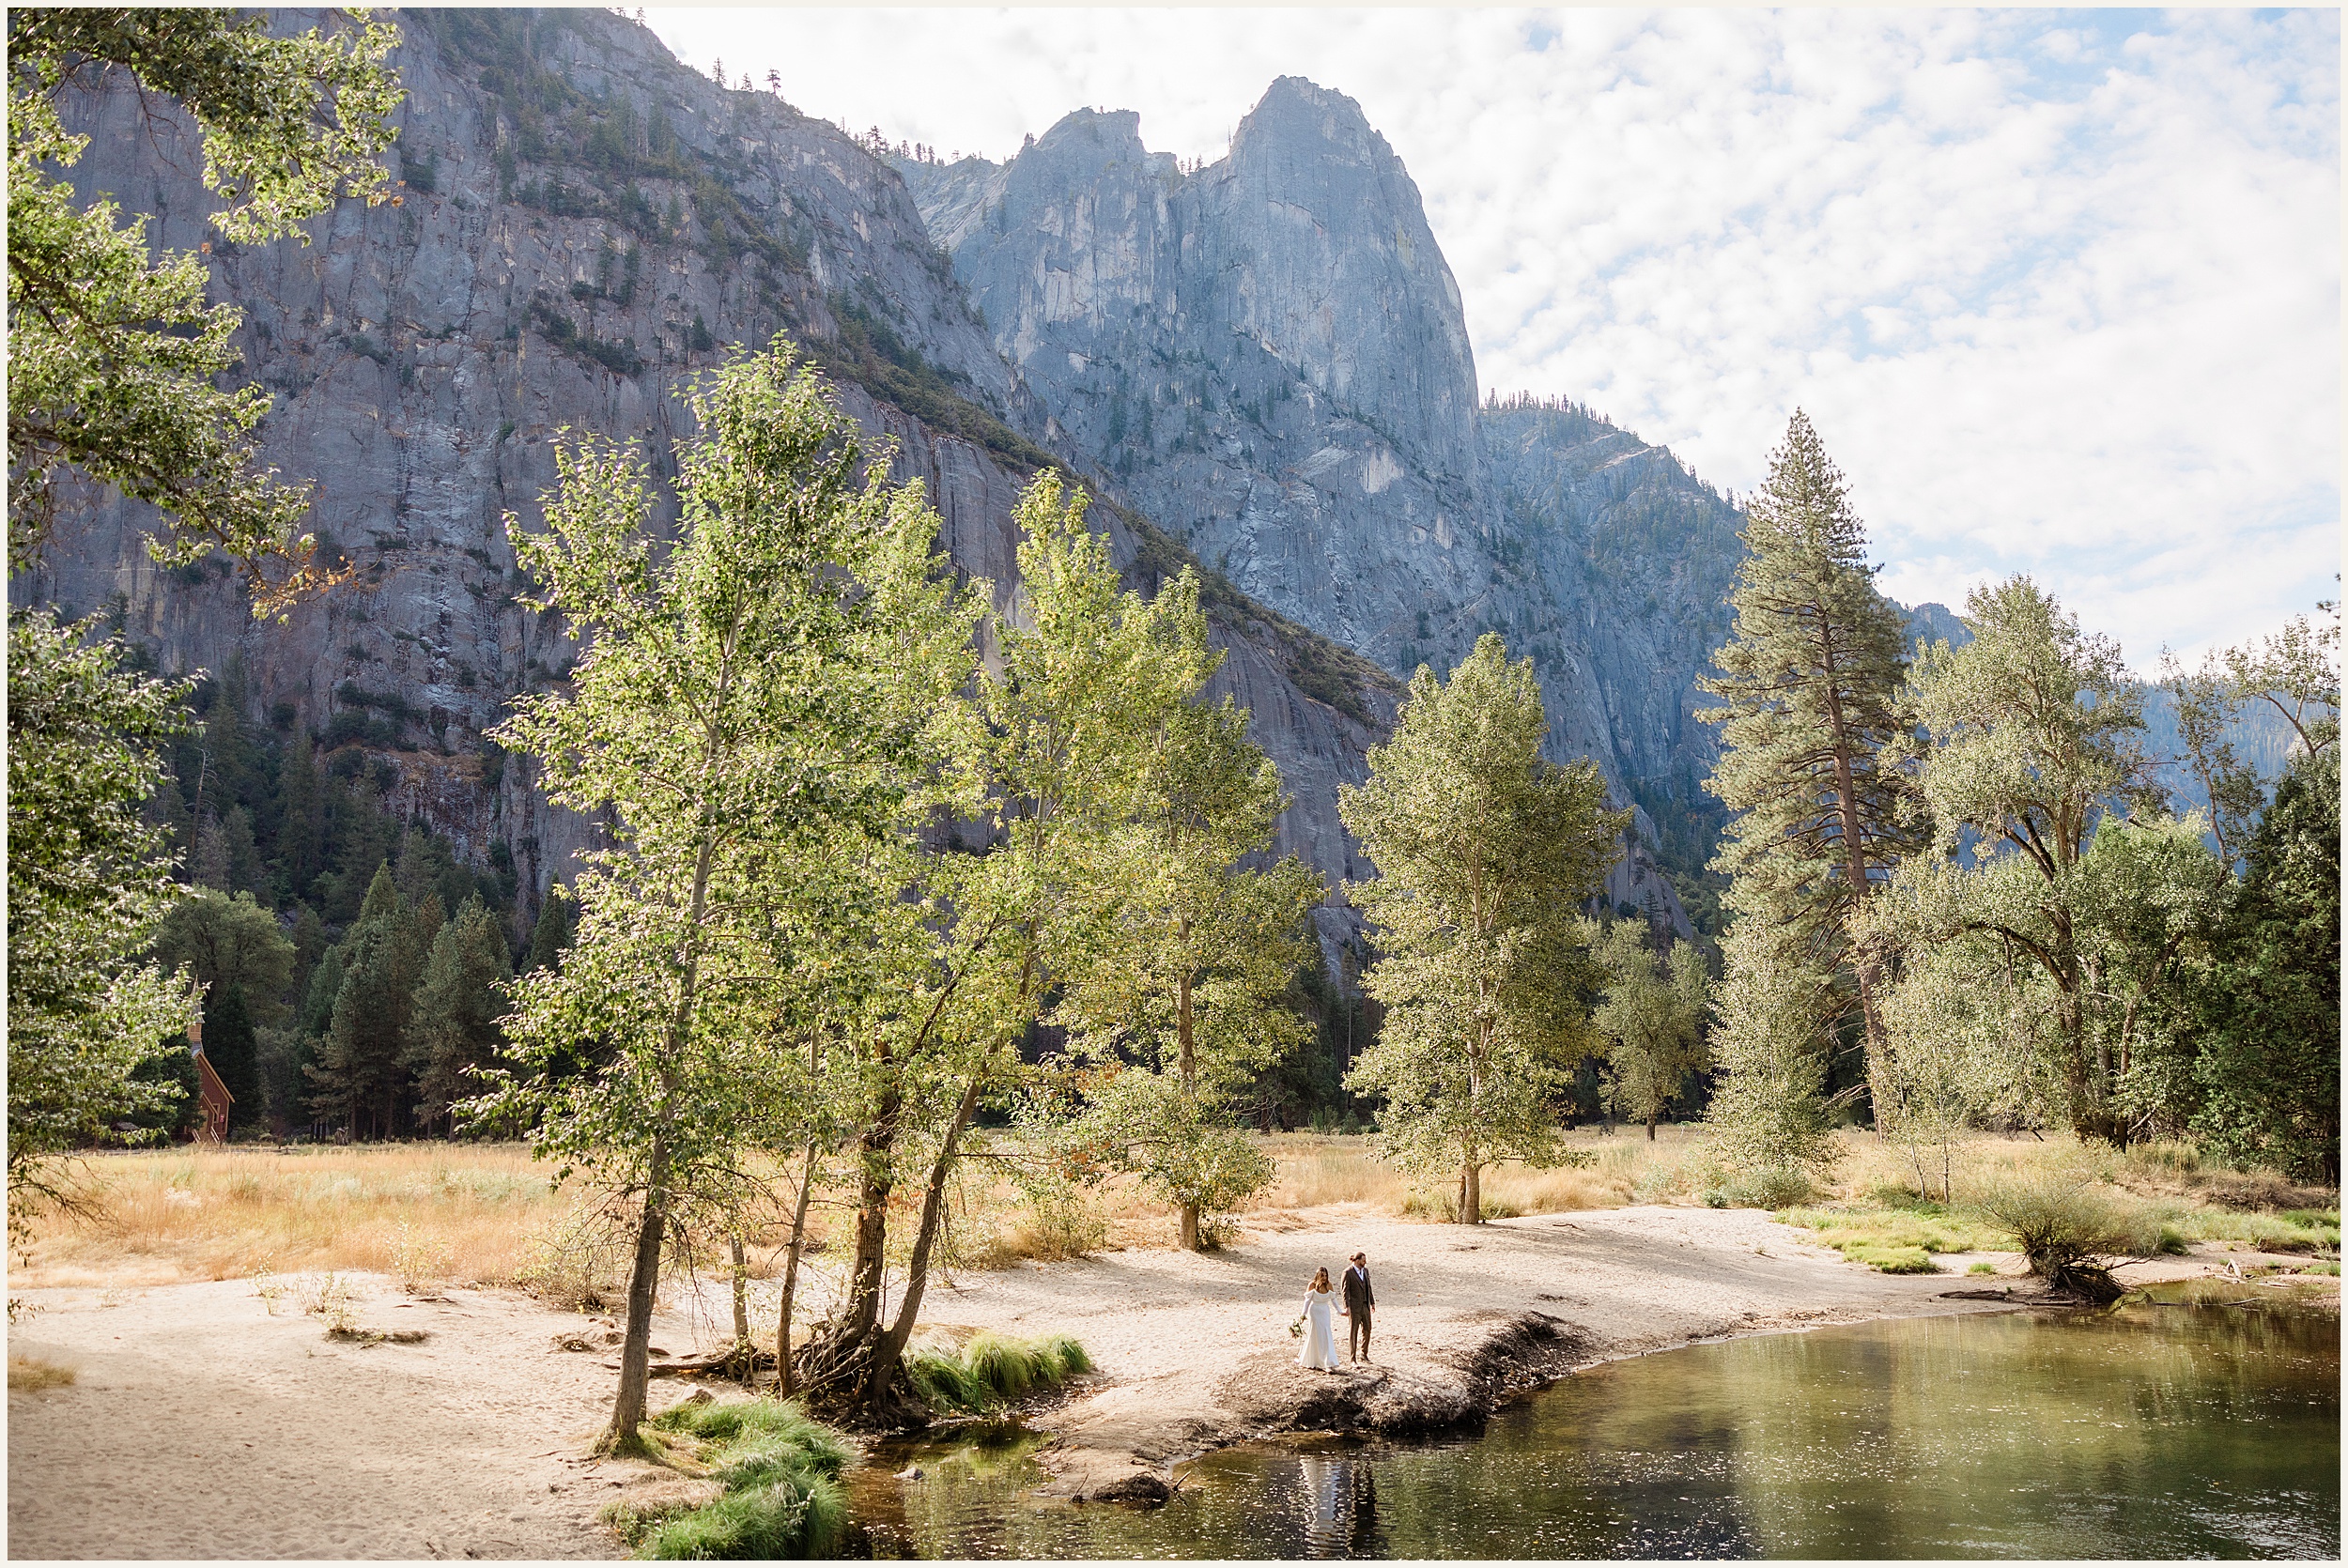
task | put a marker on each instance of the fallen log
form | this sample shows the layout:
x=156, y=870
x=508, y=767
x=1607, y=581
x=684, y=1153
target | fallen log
x=733, y=1360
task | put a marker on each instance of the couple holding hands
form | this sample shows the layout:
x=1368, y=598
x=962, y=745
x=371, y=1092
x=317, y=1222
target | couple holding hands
x=1321, y=1341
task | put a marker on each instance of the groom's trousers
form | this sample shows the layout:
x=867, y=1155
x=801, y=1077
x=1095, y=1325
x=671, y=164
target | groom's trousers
x=1357, y=1337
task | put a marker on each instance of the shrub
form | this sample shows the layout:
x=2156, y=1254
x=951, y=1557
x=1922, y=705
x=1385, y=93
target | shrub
x=578, y=1261
x=30, y=1374
x=2067, y=1229
x=1771, y=1187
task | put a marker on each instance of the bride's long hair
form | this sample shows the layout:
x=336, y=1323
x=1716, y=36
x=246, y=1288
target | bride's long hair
x=1321, y=1280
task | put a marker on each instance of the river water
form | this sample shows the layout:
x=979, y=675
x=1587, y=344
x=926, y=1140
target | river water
x=2179, y=1428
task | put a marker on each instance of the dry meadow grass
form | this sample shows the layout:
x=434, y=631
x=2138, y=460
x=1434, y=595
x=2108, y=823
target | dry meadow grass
x=421, y=1211
x=487, y=1214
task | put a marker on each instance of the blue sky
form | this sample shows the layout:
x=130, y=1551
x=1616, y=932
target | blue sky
x=2060, y=289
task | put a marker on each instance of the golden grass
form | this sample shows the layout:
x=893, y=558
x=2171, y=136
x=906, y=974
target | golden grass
x=29, y=1374
x=429, y=1214
x=422, y=1211
x=1622, y=1167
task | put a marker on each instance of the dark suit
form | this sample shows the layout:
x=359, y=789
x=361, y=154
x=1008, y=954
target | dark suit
x=1358, y=1302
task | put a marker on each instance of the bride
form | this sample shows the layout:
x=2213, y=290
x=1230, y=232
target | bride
x=1320, y=1340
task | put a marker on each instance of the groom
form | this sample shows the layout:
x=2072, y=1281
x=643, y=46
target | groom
x=1358, y=1301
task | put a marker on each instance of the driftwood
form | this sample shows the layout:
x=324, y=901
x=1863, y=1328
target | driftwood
x=732, y=1361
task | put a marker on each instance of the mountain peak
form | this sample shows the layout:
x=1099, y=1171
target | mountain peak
x=1295, y=109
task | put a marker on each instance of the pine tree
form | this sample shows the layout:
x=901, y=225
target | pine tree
x=551, y=934
x=302, y=826
x=358, y=1077
x=455, y=1028
x=1483, y=851
x=2269, y=1058
x=230, y=1043
x=1810, y=685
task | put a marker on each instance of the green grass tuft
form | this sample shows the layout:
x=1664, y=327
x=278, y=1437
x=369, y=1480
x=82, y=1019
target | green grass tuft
x=796, y=1515
x=780, y=1472
x=1891, y=1259
x=1897, y=1240
x=993, y=1371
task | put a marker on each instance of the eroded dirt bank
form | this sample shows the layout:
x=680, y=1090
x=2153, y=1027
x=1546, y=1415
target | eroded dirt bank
x=1194, y=1352
x=201, y=1423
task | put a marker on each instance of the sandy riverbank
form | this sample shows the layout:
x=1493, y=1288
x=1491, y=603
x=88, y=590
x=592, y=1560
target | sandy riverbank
x=200, y=1425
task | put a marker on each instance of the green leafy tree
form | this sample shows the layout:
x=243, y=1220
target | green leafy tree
x=1651, y=1018
x=1483, y=851
x=2267, y=1005
x=113, y=356
x=766, y=683
x=1059, y=768
x=1809, y=688
x=1769, y=1112
x=113, y=367
x=243, y=962
x=86, y=886
x=224, y=940
x=2296, y=671
x=2031, y=734
x=1189, y=988
x=454, y=1032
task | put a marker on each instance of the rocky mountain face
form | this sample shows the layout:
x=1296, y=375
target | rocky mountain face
x=584, y=224
x=1260, y=365
x=1269, y=354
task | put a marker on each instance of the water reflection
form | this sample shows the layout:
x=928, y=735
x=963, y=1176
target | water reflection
x=2178, y=1430
x=1338, y=1494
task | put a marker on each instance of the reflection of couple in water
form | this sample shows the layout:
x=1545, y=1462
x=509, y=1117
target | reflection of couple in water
x=1320, y=1340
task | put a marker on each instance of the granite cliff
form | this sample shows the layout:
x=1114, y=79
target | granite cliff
x=1269, y=354
x=584, y=224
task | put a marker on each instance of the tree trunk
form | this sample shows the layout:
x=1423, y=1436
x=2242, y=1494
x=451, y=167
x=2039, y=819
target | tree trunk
x=1471, y=1194
x=1650, y=1129
x=791, y=1278
x=1185, y=1038
x=889, y=1353
x=1855, y=872
x=627, y=1409
x=741, y=1300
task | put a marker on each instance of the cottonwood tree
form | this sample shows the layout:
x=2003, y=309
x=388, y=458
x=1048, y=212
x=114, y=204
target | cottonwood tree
x=113, y=365
x=242, y=962
x=1187, y=989
x=2295, y=671
x=1809, y=686
x=1483, y=851
x=1651, y=1018
x=767, y=682
x=86, y=886
x=1088, y=672
x=2031, y=738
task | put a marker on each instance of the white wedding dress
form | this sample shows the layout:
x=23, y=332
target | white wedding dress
x=1320, y=1338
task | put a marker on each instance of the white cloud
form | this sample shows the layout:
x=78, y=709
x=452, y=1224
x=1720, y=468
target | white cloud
x=2061, y=291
